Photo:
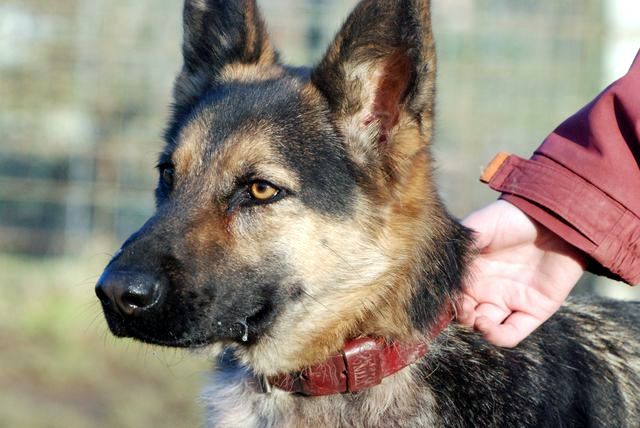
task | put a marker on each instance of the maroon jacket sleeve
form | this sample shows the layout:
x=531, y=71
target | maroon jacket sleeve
x=583, y=182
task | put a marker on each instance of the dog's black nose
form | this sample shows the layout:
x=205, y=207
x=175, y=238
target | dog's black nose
x=128, y=293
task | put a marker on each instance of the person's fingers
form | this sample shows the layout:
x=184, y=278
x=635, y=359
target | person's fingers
x=508, y=334
x=494, y=312
x=466, y=311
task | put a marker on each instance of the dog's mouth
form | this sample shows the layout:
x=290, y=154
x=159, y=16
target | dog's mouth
x=195, y=332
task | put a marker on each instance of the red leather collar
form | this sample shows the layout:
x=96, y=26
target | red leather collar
x=362, y=363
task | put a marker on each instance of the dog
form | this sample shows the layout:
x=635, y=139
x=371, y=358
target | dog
x=298, y=237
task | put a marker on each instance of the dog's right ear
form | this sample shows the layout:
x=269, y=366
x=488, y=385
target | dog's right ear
x=218, y=33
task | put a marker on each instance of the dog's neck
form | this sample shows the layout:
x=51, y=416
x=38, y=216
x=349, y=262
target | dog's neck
x=435, y=275
x=362, y=363
x=439, y=273
x=428, y=251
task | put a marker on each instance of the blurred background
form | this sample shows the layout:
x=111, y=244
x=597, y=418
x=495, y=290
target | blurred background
x=84, y=89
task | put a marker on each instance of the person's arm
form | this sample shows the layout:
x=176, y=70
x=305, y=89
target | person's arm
x=583, y=183
x=575, y=202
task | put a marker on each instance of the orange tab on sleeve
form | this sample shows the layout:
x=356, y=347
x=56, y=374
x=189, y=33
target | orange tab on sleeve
x=493, y=167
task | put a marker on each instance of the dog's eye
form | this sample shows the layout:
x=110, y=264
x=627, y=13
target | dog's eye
x=167, y=175
x=263, y=191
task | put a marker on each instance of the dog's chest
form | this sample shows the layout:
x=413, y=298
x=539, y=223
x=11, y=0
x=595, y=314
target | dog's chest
x=232, y=400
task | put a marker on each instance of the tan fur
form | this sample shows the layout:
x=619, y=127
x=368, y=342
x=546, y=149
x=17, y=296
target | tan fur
x=325, y=260
x=373, y=253
x=187, y=157
x=267, y=53
x=375, y=302
x=245, y=150
x=329, y=250
x=239, y=72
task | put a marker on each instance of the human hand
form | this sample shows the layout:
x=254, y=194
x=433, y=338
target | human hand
x=521, y=276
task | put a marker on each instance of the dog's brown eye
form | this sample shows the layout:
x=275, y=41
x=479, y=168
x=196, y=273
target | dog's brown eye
x=262, y=191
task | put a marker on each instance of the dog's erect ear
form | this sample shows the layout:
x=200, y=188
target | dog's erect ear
x=379, y=73
x=218, y=33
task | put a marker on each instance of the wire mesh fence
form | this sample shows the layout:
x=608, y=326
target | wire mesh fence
x=85, y=88
x=84, y=92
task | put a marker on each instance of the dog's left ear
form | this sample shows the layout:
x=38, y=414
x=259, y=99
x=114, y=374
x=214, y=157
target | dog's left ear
x=218, y=33
x=378, y=76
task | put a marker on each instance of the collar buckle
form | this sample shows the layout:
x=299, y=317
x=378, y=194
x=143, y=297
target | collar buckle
x=264, y=385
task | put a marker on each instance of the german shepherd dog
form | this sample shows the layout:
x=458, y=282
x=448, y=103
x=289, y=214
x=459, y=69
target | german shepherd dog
x=298, y=235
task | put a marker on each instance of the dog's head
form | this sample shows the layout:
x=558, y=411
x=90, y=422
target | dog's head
x=295, y=208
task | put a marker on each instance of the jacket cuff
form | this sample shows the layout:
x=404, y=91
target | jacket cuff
x=572, y=208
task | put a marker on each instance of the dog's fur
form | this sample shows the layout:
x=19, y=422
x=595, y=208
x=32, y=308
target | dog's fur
x=356, y=241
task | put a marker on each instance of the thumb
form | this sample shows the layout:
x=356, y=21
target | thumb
x=483, y=225
x=512, y=331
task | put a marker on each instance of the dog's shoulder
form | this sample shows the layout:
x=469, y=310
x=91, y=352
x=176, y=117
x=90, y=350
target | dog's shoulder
x=585, y=360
